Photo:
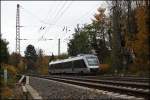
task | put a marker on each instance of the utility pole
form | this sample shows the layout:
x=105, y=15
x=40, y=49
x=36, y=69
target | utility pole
x=18, y=29
x=58, y=46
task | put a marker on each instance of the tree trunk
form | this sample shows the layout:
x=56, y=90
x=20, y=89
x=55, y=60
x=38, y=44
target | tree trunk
x=116, y=50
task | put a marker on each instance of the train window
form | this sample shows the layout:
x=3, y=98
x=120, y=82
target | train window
x=67, y=64
x=92, y=61
x=54, y=66
x=79, y=64
x=51, y=66
x=64, y=65
x=58, y=66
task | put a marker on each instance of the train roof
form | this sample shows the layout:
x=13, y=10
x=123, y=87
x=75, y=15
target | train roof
x=80, y=56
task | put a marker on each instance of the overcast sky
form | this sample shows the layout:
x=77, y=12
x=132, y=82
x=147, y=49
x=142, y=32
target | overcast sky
x=52, y=16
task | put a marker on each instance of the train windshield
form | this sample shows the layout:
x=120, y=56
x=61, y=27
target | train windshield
x=92, y=61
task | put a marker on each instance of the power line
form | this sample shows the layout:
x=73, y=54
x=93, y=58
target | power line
x=47, y=17
x=48, y=13
x=88, y=12
x=56, y=15
x=61, y=8
x=35, y=16
x=55, y=11
x=42, y=21
x=61, y=13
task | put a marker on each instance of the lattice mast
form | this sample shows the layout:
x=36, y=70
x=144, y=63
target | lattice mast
x=18, y=29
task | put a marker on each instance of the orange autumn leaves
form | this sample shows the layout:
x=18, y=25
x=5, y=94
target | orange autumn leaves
x=141, y=43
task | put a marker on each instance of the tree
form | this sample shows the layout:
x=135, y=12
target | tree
x=130, y=30
x=140, y=45
x=39, y=58
x=94, y=36
x=116, y=18
x=31, y=56
x=43, y=62
x=4, y=54
x=79, y=43
x=14, y=59
x=100, y=34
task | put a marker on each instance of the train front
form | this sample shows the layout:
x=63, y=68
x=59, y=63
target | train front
x=93, y=64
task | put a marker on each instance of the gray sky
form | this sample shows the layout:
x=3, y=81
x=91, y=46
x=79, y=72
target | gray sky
x=53, y=15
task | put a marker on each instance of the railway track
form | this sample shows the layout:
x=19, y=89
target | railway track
x=112, y=82
x=128, y=88
x=116, y=78
x=132, y=79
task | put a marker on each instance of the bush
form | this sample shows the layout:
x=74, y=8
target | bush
x=6, y=93
x=104, y=68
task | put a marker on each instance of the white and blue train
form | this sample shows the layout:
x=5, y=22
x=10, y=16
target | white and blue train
x=85, y=63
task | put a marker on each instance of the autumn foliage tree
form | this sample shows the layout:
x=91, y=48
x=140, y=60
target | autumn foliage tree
x=14, y=59
x=140, y=44
x=42, y=62
x=17, y=61
x=134, y=33
x=100, y=40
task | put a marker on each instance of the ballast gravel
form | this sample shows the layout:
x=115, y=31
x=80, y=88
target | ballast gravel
x=50, y=89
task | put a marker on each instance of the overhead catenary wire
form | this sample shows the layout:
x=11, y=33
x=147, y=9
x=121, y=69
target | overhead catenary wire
x=36, y=17
x=56, y=16
x=50, y=12
x=84, y=15
x=87, y=13
x=59, y=10
x=40, y=20
x=61, y=13
x=49, y=18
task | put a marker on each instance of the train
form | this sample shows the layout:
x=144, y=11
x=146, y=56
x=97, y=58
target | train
x=82, y=63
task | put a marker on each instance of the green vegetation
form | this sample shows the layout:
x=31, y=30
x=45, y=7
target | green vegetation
x=31, y=58
x=4, y=54
x=13, y=65
x=42, y=63
x=79, y=43
x=120, y=39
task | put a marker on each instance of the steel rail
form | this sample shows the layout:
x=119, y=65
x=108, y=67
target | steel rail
x=137, y=79
x=112, y=82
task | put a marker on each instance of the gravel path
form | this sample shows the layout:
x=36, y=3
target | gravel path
x=55, y=90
